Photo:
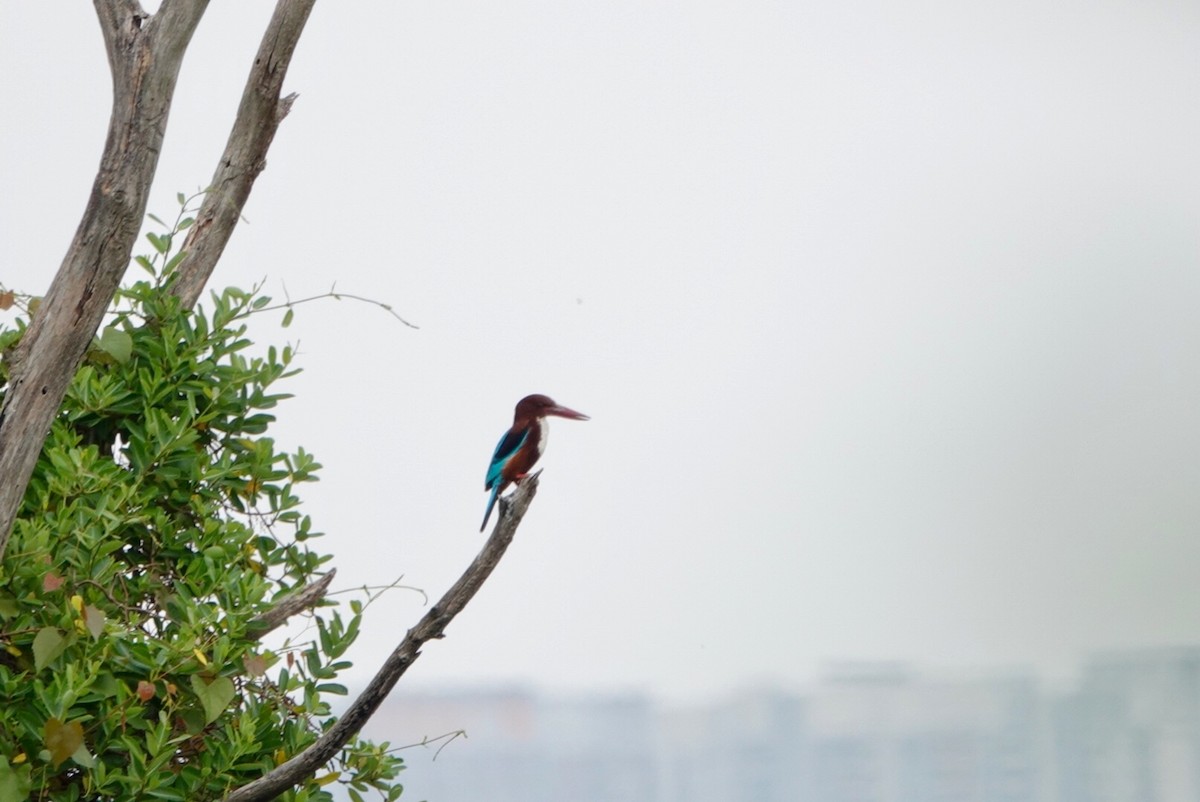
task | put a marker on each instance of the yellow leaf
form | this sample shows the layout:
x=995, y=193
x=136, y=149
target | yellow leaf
x=13, y=650
x=77, y=603
x=328, y=778
x=200, y=656
x=62, y=739
x=19, y=759
x=280, y=756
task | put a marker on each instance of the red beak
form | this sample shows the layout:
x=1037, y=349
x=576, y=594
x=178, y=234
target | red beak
x=564, y=412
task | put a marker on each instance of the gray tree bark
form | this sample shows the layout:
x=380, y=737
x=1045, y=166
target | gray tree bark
x=280, y=611
x=144, y=54
x=259, y=114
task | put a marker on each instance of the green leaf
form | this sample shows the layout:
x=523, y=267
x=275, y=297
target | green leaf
x=287, y=318
x=137, y=497
x=94, y=618
x=48, y=644
x=215, y=696
x=174, y=261
x=83, y=757
x=117, y=344
x=8, y=606
x=62, y=739
x=14, y=782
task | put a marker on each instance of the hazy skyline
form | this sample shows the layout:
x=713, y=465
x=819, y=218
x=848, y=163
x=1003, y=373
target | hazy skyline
x=885, y=316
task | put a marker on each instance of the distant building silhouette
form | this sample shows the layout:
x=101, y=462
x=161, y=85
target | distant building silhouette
x=1132, y=729
x=889, y=735
x=750, y=748
x=875, y=732
x=521, y=747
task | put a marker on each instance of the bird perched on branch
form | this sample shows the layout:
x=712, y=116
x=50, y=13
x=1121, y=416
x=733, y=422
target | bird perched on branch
x=521, y=445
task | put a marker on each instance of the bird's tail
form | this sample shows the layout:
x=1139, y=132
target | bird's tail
x=491, y=503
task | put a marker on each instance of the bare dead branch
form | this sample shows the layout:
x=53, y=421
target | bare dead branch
x=245, y=155
x=432, y=625
x=144, y=56
x=118, y=19
x=306, y=598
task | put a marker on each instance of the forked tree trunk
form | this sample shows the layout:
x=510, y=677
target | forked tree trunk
x=145, y=52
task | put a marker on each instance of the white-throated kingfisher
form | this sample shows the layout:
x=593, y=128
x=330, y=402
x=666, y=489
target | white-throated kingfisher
x=520, y=447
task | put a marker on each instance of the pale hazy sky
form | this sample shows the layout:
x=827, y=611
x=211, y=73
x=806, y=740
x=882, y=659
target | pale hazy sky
x=885, y=315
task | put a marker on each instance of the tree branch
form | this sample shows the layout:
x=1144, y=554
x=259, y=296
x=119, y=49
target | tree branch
x=245, y=155
x=307, y=597
x=144, y=57
x=432, y=625
x=114, y=17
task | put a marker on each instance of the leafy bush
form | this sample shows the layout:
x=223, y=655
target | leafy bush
x=161, y=522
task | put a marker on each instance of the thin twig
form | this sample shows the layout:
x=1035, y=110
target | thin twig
x=427, y=741
x=333, y=293
x=380, y=590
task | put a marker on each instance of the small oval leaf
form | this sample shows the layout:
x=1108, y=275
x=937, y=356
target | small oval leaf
x=117, y=344
x=95, y=620
x=48, y=644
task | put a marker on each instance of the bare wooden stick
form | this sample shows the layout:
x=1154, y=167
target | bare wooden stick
x=306, y=598
x=432, y=625
x=144, y=54
x=245, y=156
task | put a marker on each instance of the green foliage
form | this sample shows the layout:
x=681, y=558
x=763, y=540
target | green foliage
x=160, y=523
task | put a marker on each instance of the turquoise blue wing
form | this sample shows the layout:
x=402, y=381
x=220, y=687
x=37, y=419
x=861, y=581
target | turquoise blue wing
x=509, y=444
